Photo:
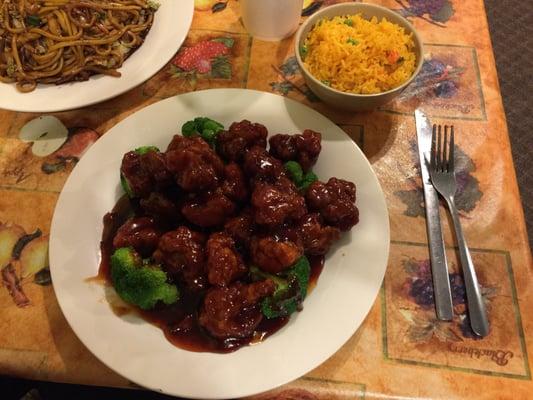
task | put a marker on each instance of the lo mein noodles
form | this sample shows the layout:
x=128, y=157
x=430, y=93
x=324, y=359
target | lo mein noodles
x=58, y=41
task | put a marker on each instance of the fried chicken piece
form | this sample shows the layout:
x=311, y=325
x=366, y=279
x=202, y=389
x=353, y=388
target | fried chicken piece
x=316, y=237
x=144, y=172
x=273, y=255
x=182, y=254
x=194, y=165
x=161, y=207
x=234, y=185
x=308, y=145
x=304, y=148
x=208, y=210
x=241, y=228
x=155, y=165
x=273, y=204
x=140, y=233
x=233, y=311
x=335, y=201
x=283, y=147
x=233, y=143
x=224, y=263
x=259, y=165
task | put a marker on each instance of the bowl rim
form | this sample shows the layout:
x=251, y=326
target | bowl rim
x=317, y=15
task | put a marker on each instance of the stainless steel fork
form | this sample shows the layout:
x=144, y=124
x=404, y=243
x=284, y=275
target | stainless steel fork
x=443, y=178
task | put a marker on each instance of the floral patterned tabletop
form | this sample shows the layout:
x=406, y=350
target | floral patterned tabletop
x=401, y=349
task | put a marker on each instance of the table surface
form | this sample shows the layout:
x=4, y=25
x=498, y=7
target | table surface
x=401, y=349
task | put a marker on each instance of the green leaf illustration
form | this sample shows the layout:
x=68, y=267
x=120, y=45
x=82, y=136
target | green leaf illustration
x=282, y=87
x=444, y=14
x=228, y=42
x=221, y=68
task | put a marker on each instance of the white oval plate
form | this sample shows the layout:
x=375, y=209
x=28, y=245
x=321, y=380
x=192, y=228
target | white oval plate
x=138, y=350
x=169, y=30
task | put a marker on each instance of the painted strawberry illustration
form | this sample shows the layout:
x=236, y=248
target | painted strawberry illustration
x=199, y=57
x=207, y=58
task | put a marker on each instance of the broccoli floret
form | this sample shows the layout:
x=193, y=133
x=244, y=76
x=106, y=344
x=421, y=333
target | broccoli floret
x=204, y=127
x=301, y=271
x=296, y=173
x=308, y=178
x=145, y=149
x=126, y=186
x=124, y=181
x=138, y=282
x=189, y=129
x=290, y=292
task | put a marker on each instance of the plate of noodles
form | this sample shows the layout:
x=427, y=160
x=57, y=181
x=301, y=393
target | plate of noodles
x=58, y=55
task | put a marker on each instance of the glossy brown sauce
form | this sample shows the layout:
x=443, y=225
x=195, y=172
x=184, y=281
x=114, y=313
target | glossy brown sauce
x=179, y=321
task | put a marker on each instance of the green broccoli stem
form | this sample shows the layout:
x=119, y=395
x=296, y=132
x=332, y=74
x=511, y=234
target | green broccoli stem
x=301, y=180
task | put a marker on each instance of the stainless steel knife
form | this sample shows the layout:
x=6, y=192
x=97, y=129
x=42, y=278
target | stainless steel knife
x=439, y=265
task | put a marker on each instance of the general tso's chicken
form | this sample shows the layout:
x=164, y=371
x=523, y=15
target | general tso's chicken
x=317, y=238
x=304, y=148
x=309, y=146
x=335, y=201
x=209, y=209
x=154, y=163
x=234, y=185
x=224, y=263
x=247, y=220
x=273, y=255
x=161, y=207
x=182, y=254
x=232, y=311
x=241, y=136
x=241, y=228
x=273, y=204
x=283, y=147
x=143, y=172
x=259, y=165
x=194, y=165
x=141, y=233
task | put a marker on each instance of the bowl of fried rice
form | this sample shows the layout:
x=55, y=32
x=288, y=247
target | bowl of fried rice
x=358, y=56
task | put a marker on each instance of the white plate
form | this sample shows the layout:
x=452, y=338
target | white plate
x=169, y=30
x=137, y=350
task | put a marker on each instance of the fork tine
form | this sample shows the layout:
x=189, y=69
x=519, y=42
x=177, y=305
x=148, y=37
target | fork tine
x=432, y=161
x=439, y=149
x=451, y=167
x=444, y=148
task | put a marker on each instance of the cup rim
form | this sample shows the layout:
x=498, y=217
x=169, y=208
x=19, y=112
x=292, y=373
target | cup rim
x=313, y=18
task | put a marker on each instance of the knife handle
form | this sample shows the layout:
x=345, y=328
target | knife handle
x=439, y=265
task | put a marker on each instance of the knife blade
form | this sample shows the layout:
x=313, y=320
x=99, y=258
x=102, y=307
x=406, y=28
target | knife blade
x=439, y=265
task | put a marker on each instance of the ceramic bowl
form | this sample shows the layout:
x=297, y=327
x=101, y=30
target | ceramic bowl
x=352, y=101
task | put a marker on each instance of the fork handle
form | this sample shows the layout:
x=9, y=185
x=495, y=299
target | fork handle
x=476, y=306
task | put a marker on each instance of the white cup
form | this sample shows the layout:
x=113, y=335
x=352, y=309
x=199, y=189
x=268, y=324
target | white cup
x=271, y=19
